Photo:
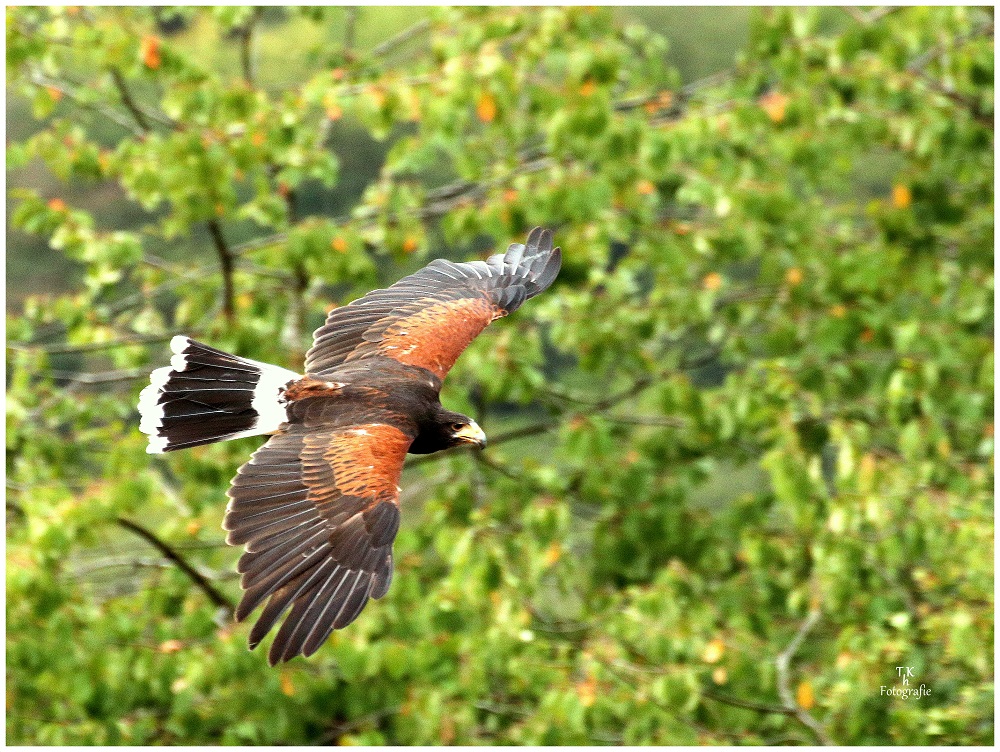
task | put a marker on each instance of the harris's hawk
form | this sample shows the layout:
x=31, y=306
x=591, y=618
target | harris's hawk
x=317, y=507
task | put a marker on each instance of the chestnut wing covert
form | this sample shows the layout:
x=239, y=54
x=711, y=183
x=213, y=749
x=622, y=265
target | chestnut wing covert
x=428, y=318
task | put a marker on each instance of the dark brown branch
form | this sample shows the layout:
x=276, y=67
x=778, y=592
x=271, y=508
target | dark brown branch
x=137, y=114
x=195, y=576
x=226, y=264
x=747, y=704
x=246, y=47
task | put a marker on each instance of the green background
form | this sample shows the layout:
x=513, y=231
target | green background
x=741, y=456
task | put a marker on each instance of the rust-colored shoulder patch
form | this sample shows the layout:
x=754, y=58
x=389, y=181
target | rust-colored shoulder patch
x=434, y=337
x=367, y=461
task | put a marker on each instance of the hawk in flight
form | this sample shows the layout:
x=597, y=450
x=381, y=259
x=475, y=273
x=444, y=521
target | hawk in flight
x=317, y=507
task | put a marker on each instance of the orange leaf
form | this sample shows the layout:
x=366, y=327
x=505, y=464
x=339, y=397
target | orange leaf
x=338, y=74
x=334, y=112
x=339, y=244
x=409, y=244
x=712, y=281
x=258, y=138
x=57, y=204
x=774, y=104
x=645, y=187
x=287, y=687
x=54, y=93
x=793, y=276
x=150, y=52
x=588, y=88
x=804, y=695
x=714, y=651
x=901, y=196
x=552, y=554
x=510, y=196
x=587, y=691
x=171, y=646
x=486, y=108
x=838, y=311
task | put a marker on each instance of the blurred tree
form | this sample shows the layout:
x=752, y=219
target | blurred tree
x=741, y=454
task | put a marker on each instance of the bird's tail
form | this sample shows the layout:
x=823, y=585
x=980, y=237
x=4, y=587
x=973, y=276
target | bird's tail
x=206, y=395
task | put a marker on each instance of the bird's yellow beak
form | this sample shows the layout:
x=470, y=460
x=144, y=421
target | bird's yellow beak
x=472, y=434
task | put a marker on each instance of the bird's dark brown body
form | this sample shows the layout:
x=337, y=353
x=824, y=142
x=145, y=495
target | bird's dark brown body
x=317, y=507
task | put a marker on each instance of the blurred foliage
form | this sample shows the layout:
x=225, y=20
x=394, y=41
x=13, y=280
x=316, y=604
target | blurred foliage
x=778, y=285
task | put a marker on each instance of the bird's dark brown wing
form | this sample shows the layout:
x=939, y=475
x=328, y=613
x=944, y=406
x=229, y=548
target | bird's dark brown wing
x=428, y=318
x=318, y=510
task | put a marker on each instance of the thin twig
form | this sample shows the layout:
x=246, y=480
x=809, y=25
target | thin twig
x=61, y=348
x=246, y=47
x=782, y=663
x=137, y=114
x=104, y=377
x=401, y=38
x=50, y=83
x=747, y=704
x=350, y=24
x=226, y=264
x=195, y=576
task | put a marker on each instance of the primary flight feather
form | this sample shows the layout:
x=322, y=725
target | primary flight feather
x=317, y=507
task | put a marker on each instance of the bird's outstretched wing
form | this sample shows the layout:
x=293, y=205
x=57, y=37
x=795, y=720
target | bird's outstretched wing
x=428, y=318
x=318, y=510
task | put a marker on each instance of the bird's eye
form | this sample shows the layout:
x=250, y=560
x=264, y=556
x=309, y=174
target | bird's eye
x=457, y=426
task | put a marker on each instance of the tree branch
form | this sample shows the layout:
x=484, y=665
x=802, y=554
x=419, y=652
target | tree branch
x=782, y=663
x=137, y=114
x=50, y=83
x=226, y=264
x=61, y=348
x=747, y=704
x=195, y=576
x=401, y=38
x=246, y=47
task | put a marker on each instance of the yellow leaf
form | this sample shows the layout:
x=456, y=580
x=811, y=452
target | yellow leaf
x=774, y=105
x=645, y=187
x=793, y=276
x=552, y=554
x=486, y=108
x=712, y=281
x=720, y=676
x=804, y=695
x=287, y=687
x=714, y=651
x=587, y=691
x=901, y=196
x=171, y=646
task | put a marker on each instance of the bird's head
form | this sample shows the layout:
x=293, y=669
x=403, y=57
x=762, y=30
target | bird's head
x=446, y=430
x=463, y=430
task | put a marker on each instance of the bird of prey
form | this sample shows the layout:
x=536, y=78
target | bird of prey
x=317, y=506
